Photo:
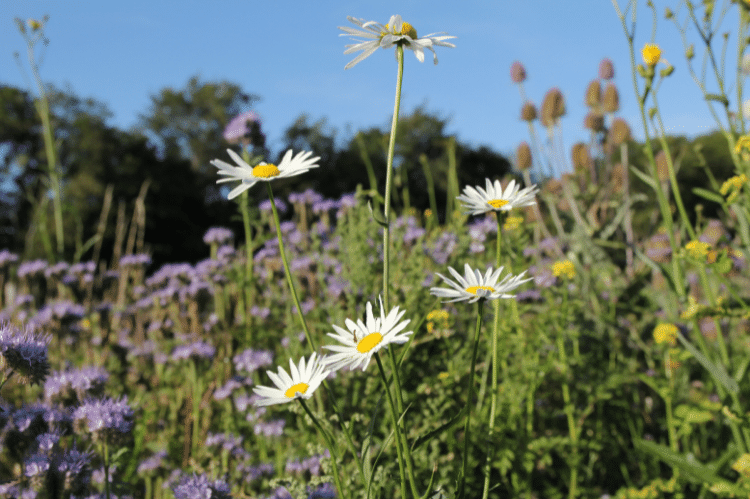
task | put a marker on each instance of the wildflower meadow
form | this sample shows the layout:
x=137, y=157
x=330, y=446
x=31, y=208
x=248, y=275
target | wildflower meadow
x=477, y=334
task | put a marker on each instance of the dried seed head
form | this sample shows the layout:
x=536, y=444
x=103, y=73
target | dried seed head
x=594, y=121
x=517, y=72
x=580, y=156
x=662, y=168
x=619, y=132
x=523, y=156
x=606, y=69
x=611, y=101
x=528, y=112
x=594, y=93
x=618, y=177
x=553, y=107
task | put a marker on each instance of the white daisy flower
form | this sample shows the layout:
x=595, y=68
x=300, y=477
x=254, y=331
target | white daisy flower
x=366, y=338
x=249, y=175
x=477, y=200
x=392, y=34
x=304, y=380
x=475, y=286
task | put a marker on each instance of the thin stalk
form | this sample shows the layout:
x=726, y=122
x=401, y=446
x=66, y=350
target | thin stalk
x=248, y=254
x=288, y=273
x=331, y=448
x=106, y=467
x=389, y=179
x=430, y=185
x=629, y=238
x=461, y=492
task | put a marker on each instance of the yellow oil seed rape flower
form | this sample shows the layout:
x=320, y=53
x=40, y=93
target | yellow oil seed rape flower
x=742, y=147
x=564, y=268
x=512, y=223
x=651, y=54
x=443, y=375
x=693, y=309
x=697, y=249
x=666, y=333
x=742, y=465
x=731, y=187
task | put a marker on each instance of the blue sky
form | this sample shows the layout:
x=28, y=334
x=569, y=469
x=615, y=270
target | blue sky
x=289, y=53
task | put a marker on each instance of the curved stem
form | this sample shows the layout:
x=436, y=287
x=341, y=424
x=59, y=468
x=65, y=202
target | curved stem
x=331, y=448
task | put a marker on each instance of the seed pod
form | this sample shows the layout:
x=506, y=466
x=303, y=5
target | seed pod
x=580, y=156
x=611, y=100
x=594, y=122
x=517, y=72
x=528, y=112
x=553, y=107
x=606, y=69
x=594, y=93
x=619, y=132
x=523, y=156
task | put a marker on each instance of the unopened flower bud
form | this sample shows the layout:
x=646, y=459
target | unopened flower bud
x=611, y=100
x=668, y=14
x=606, y=69
x=523, y=156
x=641, y=71
x=690, y=52
x=619, y=132
x=528, y=112
x=594, y=122
x=651, y=113
x=580, y=155
x=34, y=24
x=667, y=71
x=593, y=94
x=517, y=72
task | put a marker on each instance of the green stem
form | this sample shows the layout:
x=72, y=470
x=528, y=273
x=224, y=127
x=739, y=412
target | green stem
x=389, y=179
x=331, y=448
x=289, y=280
x=569, y=412
x=105, y=454
x=243, y=201
x=461, y=493
x=430, y=186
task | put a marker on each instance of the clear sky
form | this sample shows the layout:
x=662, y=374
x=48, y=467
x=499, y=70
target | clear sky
x=290, y=53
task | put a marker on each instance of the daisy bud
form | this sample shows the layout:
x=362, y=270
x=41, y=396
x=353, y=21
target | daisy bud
x=523, y=156
x=594, y=94
x=528, y=112
x=517, y=72
x=580, y=156
x=594, y=122
x=611, y=100
x=606, y=69
x=619, y=132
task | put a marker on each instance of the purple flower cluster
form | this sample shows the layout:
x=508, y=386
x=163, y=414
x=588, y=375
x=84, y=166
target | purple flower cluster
x=7, y=258
x=200, y=487
x=139, y=260
x=197, y=350
x=250, y=360
x=73, y=386
x=310, y=464
x=218, y=235
x=108, y=417
x=31, y=269
x=24, y=353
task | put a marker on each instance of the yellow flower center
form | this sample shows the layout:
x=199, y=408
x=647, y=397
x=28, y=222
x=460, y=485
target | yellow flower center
x=369, y=342
x=651, y=54
x=497, y=203
x=266, y=171
x=473, y=289
x=408, y=30
x=294, y=390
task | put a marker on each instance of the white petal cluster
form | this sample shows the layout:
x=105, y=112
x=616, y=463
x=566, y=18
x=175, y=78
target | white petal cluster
x=474, y=286
x=494, y=198
x=395, y=32
x=304, y=380
x=263, y=172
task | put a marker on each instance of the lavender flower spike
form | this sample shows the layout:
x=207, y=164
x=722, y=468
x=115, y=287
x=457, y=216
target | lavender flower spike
x=24, y=353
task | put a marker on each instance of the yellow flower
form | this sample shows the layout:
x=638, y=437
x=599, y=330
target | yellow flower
x=697, y=249
x=666, y=333
x=742, y=465
x=564, y=268
x=693, y=309
x=34, y=24
x=443, y=375
x=732, y=187
x=742, y=147
x=651, y=54
x=512, y=223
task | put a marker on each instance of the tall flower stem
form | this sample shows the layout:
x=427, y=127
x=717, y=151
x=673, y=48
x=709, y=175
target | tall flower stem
x=331, y=448
x=403, y=463
x=389, y=180
x=289, y=280
x=461, y=492
x=105, y=453
x=493, y=391
x=248, y=253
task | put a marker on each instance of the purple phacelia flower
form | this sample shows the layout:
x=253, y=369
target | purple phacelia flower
x=75, y=385
x=218, y=235
x=196, y=351
x=200, y=487
x=281, y=206
x=38, y=464
x=250, y=360
x=152, y=463
x=138, y=260
x=31, y=269
x=24, y=353
x=56, y=271
x=47, y=441
x=7, y=258
x=110, y=417
x=270, y=429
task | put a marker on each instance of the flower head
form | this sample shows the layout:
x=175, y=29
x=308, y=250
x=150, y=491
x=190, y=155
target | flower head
x=732, y=187
x=305, y=379
x=666, y=333
x=697, y=249
x=199, y=486
x=564, y=268
x=249, y=176
x=108, y=417
x=474, y=286
x=396, y=32
x=24, y=352
x=493, y=198
x=651, y=54
x=363, y=339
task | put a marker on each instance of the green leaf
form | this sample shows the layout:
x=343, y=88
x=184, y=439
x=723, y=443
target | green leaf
x=718, y=372
x=717, y=98
x=693, y=471
x=692, y=415
x=645, y=178
x=433, y=433
x=709, y=195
